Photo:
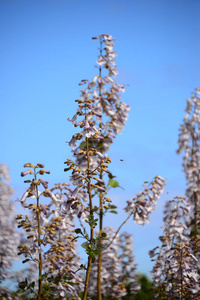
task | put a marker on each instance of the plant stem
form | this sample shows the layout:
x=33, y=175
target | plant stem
x=119, y=229
x=100, y=232
x=181, y=267
x=87, y=277
x=39, y=245
x=91, y=228
x=100, y=204
x=59, y=272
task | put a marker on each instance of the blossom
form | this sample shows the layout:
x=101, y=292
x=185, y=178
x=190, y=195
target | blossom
x=56, y=201
x=23, y=199
x=101, y=60
x=89, y=130
x=73, y=142
x=144, y=203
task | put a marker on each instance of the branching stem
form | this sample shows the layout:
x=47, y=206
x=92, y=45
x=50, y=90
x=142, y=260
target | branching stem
x=119, y=229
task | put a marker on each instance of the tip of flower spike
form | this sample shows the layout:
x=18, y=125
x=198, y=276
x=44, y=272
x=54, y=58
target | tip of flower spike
x=39, y=165
x=29, y=165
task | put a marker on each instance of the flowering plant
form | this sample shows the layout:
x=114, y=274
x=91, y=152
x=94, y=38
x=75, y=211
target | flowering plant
x=176, y=270
x=50, y=231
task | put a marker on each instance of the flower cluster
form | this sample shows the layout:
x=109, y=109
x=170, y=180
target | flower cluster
x=189, y=142
x=175, y=273
x=61, y=260
x=9, y=239
x=47, y=225
x=128, y=264
x=144, y=203
x=101, y=115
x=100, y=104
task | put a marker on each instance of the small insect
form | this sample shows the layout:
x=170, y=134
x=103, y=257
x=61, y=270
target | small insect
x=121, y=159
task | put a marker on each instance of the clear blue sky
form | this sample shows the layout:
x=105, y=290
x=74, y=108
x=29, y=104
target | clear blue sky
x=46, y=49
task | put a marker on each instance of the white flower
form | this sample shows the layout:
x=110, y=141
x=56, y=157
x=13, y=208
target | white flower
x=88, y=130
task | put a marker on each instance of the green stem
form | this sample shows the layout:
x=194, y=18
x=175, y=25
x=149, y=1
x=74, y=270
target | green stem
x=91, y=228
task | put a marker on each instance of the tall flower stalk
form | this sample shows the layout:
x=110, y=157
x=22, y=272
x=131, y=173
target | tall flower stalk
x=91, y=216
x=34, y=225
x=47, y=225
x=175, y=274
x=102, y=116
x=105, y=116
x=176, y=270
x=189, y=144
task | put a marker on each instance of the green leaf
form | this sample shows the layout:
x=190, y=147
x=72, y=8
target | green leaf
x=84, y=245
x=100, y=146
x=78, y=230
x=112, y=206
x=95, y=252
x=83, y=267
x=32, y=284
x=113, y=211
x=113, y=183
x=82, y=145
x=102, y=247
x=111, y=176
x=103, y=234
x=23, y=284
x=95, y=209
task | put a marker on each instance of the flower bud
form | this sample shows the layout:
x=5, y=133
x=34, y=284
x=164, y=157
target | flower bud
x=26, y=173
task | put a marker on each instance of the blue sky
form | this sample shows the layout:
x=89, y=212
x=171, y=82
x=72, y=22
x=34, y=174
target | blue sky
x=46, y=49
